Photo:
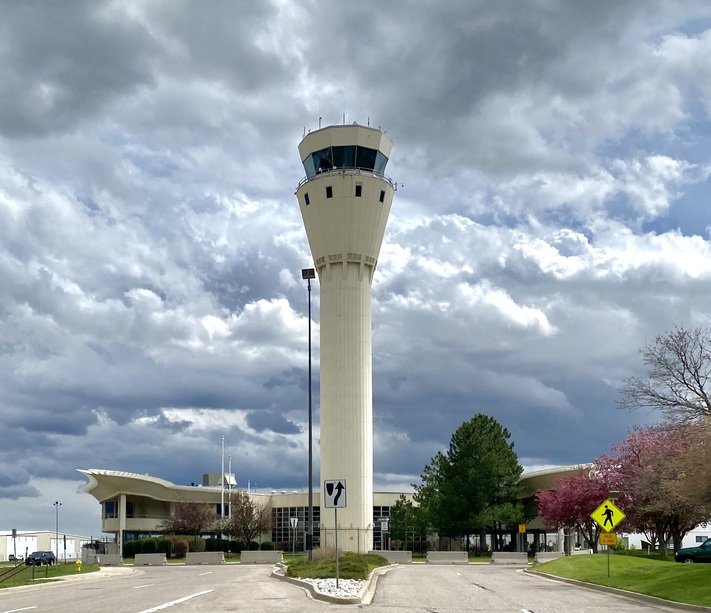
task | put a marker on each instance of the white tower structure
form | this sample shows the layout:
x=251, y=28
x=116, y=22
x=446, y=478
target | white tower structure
x=345, y=201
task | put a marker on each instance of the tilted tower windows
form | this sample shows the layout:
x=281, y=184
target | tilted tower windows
x=347, y=156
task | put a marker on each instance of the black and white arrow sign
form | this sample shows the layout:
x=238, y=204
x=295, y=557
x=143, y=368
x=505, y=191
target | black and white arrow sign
x=335, y=494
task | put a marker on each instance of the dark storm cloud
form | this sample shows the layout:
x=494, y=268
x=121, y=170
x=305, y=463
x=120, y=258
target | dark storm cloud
x=267, y=420
x=151, y=244
x=65, y=62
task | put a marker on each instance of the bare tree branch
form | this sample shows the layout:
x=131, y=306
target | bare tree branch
x=679, y=367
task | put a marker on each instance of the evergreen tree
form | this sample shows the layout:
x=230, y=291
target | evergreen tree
x=474, y=485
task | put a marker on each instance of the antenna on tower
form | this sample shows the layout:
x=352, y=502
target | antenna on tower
x=368, y=120
x=344, y=112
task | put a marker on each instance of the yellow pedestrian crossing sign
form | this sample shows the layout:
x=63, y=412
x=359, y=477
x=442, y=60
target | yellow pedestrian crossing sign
x=607, y=516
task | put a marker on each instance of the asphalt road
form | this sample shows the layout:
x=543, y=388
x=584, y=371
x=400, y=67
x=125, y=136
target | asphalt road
x=233, y=587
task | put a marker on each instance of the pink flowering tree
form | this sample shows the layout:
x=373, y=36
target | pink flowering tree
x=644, y=468
x=571, y=501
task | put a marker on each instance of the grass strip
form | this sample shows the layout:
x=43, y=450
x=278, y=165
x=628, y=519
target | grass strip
x=42, y=574
x=684, y=583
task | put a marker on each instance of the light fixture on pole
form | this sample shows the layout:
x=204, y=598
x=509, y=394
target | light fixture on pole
x=308, y=274
x=56, y=506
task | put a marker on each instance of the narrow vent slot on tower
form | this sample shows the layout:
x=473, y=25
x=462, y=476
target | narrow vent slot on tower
x=306, y=199
x=358, y=190
x=329, y=191
x=382, y=195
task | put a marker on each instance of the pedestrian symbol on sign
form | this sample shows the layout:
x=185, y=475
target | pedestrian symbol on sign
x=607, y=516
x=608, y=513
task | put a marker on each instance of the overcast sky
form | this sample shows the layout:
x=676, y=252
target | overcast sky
x=552, y=216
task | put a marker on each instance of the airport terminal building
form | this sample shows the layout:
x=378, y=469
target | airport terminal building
x=133, y=506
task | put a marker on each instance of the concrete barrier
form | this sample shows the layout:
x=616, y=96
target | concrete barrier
x=509, y=557
x=149, y=559
x=109, y=559
x=547, y=556
x=395, y=557
x=261, y=557
x=580, y=552
x=204, y=557
x=447, y=557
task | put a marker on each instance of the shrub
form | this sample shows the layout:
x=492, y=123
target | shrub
x=181, y=548
x=253, y=546
x=211, y=544
x=236, y=546
x=197, y=543
x=267, y=546
x=224, y=545
x=350, y=566
x=129, y=549
x=149, y=545
x=165, y=545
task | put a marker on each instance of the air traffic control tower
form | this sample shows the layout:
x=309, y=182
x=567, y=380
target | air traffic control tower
x=345, y=201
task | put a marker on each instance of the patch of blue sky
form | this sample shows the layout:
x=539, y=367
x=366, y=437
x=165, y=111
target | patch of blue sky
x=695, y=27
x=689, y=214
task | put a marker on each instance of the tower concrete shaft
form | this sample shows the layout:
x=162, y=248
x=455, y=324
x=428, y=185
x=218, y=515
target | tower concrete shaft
x=345, y=201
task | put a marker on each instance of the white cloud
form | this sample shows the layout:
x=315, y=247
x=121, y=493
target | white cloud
x=551, y=217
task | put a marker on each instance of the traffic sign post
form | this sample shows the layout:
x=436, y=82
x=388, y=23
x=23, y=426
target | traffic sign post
x=335, y=498
x=294, y=521
x=608, y=516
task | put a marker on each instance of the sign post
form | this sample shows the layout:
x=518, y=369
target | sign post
x=607, y=516
x=294, y=521
x=335, y=498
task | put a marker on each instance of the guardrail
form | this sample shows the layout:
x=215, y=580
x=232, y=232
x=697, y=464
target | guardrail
x=350, y=170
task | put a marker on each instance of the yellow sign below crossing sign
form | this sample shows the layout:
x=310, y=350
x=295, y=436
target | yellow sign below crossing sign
x=607, y=516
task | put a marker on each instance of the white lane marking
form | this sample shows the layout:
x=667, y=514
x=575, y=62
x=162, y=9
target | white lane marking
x=174, y=602
x=138, y=587
x=209, y=572
x=22, y=609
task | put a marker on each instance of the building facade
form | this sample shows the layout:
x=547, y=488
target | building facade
x=133, y=506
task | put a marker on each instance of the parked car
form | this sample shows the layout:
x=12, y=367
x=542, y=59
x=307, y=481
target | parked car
x=40, y=558
x=702, y=553
x=13, y=558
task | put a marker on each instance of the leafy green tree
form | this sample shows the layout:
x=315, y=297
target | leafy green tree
x=406, y=524
x=474, y=485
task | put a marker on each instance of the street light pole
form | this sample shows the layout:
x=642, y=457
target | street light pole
x=56, y=505
x=308, y=274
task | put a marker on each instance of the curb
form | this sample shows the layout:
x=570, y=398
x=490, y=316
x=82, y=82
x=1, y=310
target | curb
x=364, y=597
x=620, y=592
